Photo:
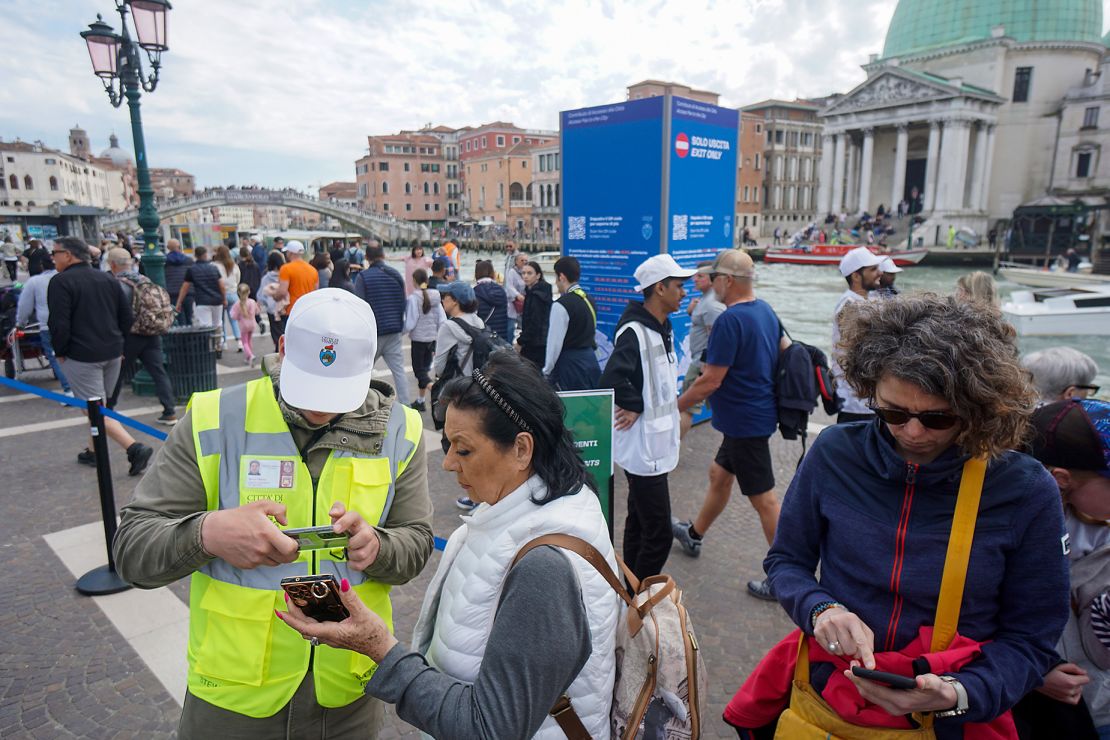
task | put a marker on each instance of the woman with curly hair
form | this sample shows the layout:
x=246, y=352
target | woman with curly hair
x=873, y=506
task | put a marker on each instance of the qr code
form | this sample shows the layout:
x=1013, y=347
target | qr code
x=576, y=227
x=678, y=227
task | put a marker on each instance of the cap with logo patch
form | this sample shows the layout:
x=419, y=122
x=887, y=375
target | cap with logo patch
x=330, y=341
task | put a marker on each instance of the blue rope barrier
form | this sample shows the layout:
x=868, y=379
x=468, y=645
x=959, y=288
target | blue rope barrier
x=440, y=543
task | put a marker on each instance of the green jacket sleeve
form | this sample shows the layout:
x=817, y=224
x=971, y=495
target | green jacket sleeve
x=406, y=538
x=158, y=541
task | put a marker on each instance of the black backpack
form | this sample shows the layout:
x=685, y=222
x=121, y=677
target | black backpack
x=482, y=342
x=803, y=379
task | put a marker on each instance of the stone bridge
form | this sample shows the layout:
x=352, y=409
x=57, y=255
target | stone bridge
x=378, y=225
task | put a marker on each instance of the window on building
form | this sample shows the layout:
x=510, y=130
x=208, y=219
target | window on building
x=500, y=141
x=1090, y=117
x=28, y=182
x=427, y=190
x=759, y=128
x=757, y=160
x=408, y=188
x=435, y=188
x=516, y=139
x=556, y=194
x=770, y=136
x=1083, y=164
x=435, y=206
x=1023, y=77
x=408, y=206
x=53, y=183
x=385, y=188
x=779, y=137
x=427, y=206
x=483, y=142
x=383, y=166
x=406, y=166
x=385, y=206
x=746, y=191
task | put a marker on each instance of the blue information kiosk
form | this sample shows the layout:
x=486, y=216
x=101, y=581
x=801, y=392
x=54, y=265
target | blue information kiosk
x=646, y=177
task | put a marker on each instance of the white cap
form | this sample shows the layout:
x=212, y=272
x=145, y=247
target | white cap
x=659, y=267
x=857, y=259
x=294, y=247
x=330, y=340
x=888, y=265
x=256, y=238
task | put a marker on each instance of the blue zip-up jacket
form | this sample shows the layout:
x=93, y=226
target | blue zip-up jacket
x=879, y=528
x=384, y=289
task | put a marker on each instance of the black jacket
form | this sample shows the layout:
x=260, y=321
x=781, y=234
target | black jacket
x=624, y=372
x=89, y=314
x=536, y=316
x=493, y=307
x=250, y=274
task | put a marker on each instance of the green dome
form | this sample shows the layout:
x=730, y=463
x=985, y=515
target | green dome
x=920, y=25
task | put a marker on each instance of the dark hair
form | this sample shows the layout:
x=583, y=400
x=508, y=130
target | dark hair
x=320, y=261
x=964, y=352
x=555, y=459
x=199, y=252
x=536, y=266
x=483, y=269
x=649, y=291
x=569, y=268
x=273, y=262
x=74, y=246
x=340, y=273
x=374, y=253
x=419, y=277
x=412, y=252
x=438, y=265
x=245, y=255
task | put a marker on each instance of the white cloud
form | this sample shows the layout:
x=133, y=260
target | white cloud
x=286, y=92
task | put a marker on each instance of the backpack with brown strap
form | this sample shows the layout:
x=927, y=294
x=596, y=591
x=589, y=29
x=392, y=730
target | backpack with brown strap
x=661, y=683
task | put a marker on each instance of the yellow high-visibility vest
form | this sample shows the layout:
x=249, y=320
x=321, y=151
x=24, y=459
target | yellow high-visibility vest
x=240, y=657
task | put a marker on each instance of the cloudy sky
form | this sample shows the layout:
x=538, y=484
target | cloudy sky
x=275, y=92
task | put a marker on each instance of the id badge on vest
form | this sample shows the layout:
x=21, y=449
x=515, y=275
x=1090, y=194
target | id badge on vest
x=270, y=477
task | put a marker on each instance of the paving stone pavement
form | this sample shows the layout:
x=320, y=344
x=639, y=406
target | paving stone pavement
x=67, y=672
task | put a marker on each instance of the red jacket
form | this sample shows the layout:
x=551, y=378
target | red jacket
x=766, y=692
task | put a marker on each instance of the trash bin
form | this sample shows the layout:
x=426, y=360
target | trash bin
x=191, y=359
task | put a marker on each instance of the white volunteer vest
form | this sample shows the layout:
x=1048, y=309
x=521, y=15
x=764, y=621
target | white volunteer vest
x=650, y=445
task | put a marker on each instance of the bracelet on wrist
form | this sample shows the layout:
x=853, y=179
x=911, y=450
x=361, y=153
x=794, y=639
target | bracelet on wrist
x=820, y=609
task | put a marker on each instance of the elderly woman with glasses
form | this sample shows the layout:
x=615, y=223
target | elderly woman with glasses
x=1062, y=373
x=872, y=507
x=497, y=645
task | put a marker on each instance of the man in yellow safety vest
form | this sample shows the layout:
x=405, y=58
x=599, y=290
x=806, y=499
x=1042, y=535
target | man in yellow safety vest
x=313, y=442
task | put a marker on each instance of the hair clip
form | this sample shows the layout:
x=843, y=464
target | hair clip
x=489, y=390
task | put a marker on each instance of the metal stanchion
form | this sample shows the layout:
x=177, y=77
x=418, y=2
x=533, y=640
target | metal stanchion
x=103, y=580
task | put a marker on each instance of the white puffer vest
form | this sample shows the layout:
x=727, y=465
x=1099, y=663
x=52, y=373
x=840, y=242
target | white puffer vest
x=459, y=606
x=650, y=446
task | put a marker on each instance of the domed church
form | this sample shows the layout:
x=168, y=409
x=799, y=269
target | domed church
x=973, y=110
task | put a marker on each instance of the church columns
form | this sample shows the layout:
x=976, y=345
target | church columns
x=978, y=167
x=838, y=172
x=824, y=177
x=865, y=169
x=932, y=166
x=988, y=148
x=898, y=189
x=954, y=151
x=851, y=191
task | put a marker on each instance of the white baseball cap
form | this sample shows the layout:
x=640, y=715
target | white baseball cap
x=330, y=340
x=889, y=266
x=293, y=246
x=857, y=259
x=659, y=267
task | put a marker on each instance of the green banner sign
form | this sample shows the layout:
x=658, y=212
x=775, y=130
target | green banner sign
x=589, y=417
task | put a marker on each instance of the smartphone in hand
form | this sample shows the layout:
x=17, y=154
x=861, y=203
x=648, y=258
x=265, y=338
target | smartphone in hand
x=890, y=680
x=317, y=538
x=316, y=596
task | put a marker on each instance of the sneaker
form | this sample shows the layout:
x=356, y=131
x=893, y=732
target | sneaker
x=761, y=590
x=681, y=532
x=168, y=418
x=87, y=457
x=464, y=503
x=418, y=405
x=139, y=456
x=68, y=393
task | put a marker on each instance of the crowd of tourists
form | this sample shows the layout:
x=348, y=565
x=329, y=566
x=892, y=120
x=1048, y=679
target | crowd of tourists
x=949, y=528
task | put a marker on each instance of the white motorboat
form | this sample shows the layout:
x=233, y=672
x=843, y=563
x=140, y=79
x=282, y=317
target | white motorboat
x=1036, y=277
x=1078, y=310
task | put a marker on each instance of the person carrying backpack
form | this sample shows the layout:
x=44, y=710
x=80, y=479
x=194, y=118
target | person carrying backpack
x=150, y=304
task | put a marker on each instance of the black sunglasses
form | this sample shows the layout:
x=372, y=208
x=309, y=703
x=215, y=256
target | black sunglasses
x=1094, y=389
x=928, y=419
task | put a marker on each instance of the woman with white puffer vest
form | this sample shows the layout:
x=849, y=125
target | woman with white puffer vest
x=498, y=645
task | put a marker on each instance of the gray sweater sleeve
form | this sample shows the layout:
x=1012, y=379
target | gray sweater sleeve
x=539, y=642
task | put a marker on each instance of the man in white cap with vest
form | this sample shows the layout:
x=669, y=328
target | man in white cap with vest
x=314, y=442
x=860, y=268
x=888, y=272
x=643, y=373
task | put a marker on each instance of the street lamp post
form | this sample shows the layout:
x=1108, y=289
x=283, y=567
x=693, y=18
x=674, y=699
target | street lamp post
x=116, y=57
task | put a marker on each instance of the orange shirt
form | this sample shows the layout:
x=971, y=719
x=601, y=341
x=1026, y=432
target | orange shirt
x=302, y=278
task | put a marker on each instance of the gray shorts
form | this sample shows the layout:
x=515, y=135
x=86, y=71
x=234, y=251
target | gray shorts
x=92, y=379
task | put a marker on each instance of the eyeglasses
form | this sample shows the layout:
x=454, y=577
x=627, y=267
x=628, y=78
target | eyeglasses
x=714, y=275
x=1092, y=389
x=928, y=419
x=62, y=251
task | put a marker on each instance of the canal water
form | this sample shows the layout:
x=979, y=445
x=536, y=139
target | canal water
x=804, y=297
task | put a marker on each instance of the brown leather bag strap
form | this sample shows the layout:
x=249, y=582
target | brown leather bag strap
x=568, y=720
x=586, y=551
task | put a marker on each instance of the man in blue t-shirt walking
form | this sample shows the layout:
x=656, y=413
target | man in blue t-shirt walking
x=738, y=378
